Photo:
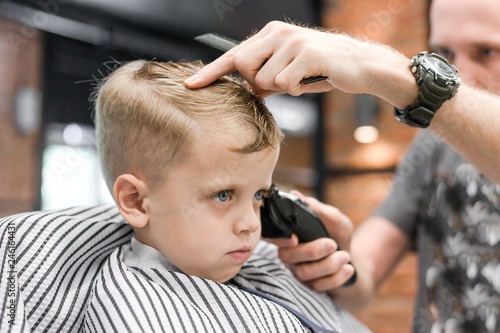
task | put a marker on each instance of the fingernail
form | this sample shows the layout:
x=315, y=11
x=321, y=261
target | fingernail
x=347, y=258
x=192, y=79
x=329, y=248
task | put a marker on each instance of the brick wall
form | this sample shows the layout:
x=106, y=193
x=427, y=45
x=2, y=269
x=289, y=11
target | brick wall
x=21, y=54
x=362, y=173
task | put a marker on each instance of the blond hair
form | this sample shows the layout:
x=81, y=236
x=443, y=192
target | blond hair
x=145, y=117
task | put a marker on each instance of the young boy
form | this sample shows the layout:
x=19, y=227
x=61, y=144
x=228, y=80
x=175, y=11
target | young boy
x=188, y=170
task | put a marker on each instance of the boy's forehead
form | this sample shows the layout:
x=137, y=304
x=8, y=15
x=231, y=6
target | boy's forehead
x=211, y=168
x=229, y=134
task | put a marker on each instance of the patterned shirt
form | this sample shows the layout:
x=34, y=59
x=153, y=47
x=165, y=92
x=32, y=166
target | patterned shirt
x=452, y=214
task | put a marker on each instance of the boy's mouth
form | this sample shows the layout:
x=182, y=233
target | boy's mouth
x=242, y=254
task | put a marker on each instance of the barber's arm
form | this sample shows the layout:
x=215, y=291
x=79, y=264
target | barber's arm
x=470, y=123
x=279, y=56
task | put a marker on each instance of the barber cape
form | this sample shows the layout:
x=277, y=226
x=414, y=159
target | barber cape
x=63, y=271
x=148, y=296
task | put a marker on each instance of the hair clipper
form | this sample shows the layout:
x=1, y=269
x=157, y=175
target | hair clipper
x=284, y=214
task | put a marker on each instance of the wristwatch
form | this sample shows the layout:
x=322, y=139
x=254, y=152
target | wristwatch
x=437, y=80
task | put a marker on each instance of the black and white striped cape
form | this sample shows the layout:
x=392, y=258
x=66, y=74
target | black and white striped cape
x=57, y=257
x=68, y=276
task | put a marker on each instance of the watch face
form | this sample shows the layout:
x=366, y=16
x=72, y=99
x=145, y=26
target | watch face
x=440, y=67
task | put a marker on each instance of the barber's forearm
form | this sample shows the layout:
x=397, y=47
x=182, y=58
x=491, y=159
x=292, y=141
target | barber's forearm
x=470, y=122
x=390, y=77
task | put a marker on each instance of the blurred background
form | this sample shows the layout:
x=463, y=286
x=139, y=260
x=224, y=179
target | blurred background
x=340, y=148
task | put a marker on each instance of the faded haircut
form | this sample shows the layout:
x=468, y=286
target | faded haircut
x=145, y=117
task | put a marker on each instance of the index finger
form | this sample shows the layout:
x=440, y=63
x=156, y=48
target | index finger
x=211, y=72
x=228, y=62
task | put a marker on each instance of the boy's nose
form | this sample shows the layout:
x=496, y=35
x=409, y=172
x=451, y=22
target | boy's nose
x=248, y=220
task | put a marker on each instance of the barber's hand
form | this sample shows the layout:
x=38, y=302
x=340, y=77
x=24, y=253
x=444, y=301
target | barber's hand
x=279, y=56
x=318, y=263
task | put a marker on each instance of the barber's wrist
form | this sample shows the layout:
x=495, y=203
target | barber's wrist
x=392, y=81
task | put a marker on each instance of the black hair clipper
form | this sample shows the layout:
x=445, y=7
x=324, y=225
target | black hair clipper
x=284, y=214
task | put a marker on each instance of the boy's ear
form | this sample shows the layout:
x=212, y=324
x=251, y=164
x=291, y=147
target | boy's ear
x=129, y=193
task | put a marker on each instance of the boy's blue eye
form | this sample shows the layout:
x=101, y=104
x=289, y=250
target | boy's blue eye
x=221, y=196
x=258, y=195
